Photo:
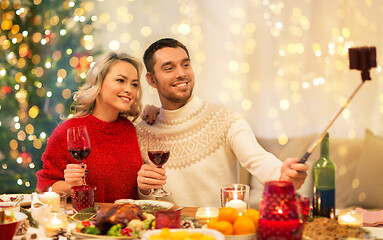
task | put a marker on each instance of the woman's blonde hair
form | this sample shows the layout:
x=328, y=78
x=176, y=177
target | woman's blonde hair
x=85, y=97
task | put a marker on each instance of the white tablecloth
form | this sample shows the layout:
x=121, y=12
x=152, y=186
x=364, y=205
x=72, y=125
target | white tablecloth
x=375, y=232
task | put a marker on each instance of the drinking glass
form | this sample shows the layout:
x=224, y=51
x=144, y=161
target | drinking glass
x=78, y=144
x=279, y=213
x=158, y=153
x=82, y=197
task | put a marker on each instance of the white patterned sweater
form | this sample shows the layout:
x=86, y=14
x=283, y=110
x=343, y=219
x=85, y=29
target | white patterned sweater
x=206, y=142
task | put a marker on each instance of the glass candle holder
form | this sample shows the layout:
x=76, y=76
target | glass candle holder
x=350, y=218
x=236, y=196
x=279, y=214
x=206, y=214
x=55, y=222
x=82, y=197
x=167, y=218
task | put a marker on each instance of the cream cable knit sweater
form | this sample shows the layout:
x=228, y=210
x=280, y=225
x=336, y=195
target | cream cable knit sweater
x=206, y=142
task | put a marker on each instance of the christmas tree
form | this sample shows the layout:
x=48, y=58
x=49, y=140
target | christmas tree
x=46, y=47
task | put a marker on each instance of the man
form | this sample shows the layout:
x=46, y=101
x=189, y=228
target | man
x=206, y=139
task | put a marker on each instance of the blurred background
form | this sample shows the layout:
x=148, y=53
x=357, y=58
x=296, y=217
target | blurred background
x=282, y=64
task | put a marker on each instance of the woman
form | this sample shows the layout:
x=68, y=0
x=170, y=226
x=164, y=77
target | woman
x=112, y=94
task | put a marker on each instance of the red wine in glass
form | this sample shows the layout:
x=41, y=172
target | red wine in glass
x=159, y=158
x=158, y=153
x=78, y=144
x=79, y=153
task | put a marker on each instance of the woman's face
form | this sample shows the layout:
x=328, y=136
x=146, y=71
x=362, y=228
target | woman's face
x=118, y=91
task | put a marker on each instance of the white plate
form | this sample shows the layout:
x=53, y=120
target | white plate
x=26, y=202
x=163, y=204
x=217, y=235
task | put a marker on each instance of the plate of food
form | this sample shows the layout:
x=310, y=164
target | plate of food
x=25, y=202
x=120, y=221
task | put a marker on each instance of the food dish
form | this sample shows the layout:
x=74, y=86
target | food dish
x=26, y=202
x=92, y=236
x=8, y=230
x=149, y=206
x=217, y=235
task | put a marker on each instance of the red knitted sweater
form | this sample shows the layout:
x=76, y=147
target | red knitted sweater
x=113, y=162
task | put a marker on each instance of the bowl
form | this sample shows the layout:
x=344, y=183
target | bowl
x=8, y=230
x=252, y=236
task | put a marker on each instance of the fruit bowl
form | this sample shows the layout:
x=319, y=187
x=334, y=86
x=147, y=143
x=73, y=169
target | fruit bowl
x=252, y=236
x=8, y=230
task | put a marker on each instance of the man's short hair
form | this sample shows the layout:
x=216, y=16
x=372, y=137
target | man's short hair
x=157, y=45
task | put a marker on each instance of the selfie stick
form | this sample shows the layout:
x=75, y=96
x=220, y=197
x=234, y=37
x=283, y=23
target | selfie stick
x=362, y=59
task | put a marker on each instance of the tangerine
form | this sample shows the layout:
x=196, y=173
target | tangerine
x=224, y=227
x=243, y=225
x=253, y=214
x=228, y=214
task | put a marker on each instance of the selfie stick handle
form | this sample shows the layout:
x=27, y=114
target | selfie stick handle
x=321, y=136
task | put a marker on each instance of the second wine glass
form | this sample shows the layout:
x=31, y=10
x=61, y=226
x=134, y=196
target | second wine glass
x=158, y=153
x=78, y=144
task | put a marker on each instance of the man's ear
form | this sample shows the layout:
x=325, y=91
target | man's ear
x=150, y=79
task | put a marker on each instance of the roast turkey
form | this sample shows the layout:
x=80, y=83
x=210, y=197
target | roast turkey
x=118, y=214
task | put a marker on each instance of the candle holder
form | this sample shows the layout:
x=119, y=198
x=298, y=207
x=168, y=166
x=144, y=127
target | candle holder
x=236, y=196
x=167, y=218
x=55, y=222
x=279, y=213
x=206, y=214
x=350, y=218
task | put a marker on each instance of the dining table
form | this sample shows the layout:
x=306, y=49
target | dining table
x=38, y=233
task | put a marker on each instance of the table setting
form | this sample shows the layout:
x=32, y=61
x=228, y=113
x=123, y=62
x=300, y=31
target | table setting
x=281, y=214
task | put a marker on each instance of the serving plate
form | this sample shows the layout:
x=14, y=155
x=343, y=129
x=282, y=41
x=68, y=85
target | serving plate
x=149, y=206
x=26, y=202
x=217, y=235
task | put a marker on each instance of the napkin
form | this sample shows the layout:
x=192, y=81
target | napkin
x=371, y=218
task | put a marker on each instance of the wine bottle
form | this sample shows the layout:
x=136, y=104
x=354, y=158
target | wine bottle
x=324, y=183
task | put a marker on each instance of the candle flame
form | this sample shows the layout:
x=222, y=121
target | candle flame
x=235, y=195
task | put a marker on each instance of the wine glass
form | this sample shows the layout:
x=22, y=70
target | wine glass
x=78, y=144
x=158, y=152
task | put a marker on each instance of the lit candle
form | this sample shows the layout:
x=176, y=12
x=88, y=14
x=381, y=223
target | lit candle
x=54, y=223
x=52, y=199
x=204, y=215
x=237, y=204
x=350, y=218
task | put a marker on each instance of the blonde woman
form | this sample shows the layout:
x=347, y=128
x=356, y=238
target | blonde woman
x=106, y=104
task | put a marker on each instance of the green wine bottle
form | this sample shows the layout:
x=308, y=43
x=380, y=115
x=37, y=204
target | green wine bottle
x=324, y=183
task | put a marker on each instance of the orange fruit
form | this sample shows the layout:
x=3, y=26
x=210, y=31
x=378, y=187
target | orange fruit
x=243, y=225
x=224, y=227
x=253, y=214
x=227, y=214
x=212, y=224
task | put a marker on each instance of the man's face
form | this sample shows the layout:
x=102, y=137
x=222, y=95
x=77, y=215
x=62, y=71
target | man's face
x=173, y=77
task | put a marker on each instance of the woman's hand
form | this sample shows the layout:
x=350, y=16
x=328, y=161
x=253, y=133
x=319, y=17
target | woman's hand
x=149, y=115
x=294, y=172
x=150, y=177
x=75, y=173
